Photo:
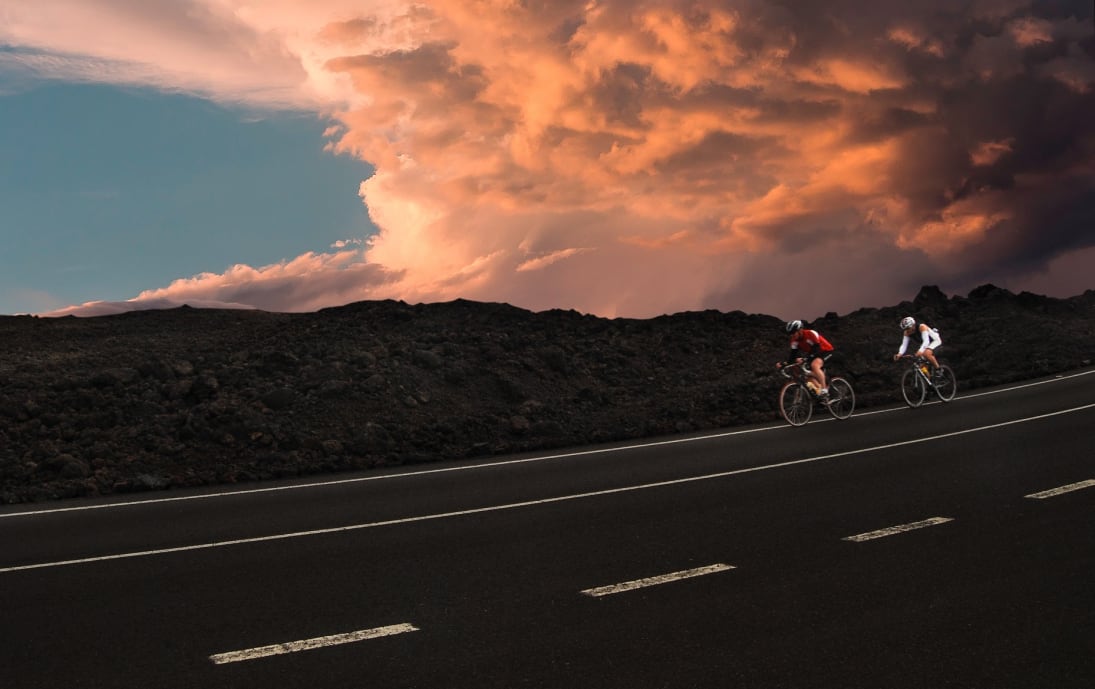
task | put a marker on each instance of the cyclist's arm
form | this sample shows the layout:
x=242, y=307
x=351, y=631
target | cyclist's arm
x=904, y=345
x=793, y=354
x=925, y=336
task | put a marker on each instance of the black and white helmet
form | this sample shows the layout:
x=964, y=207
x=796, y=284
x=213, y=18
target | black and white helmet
x=794, y=326
x=907, y=322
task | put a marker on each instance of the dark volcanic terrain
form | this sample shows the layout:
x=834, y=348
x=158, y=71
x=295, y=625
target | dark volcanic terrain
x=189, y=397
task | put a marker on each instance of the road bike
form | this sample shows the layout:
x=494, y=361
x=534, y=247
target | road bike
x=919, y=378
x=800, y=393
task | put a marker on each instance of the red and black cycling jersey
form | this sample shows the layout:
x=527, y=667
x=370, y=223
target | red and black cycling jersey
x=807, y=343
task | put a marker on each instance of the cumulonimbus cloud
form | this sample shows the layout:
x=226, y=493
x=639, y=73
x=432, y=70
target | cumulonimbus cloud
x=634, y=158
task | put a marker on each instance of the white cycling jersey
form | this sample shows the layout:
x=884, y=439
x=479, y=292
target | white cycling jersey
x=929, y=339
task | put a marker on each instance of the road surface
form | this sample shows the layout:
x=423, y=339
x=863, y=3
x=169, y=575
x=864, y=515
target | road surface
x=946, y=546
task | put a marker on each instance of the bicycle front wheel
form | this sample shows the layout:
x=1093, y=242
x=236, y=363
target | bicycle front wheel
x=841, y=398
x=795, y=404
x=912, y=388
x=945, y=384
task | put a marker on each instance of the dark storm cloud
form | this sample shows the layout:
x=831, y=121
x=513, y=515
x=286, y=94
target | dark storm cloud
x=561, y=153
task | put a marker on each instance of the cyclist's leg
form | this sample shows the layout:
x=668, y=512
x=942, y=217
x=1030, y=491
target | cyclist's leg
x=817, y=365
x=933, y=344
x=929, y=354
x=808, y=372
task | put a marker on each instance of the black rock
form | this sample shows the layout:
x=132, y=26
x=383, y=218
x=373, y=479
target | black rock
x=152, y=400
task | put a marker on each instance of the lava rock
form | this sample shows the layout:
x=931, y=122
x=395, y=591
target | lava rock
x=151, y=400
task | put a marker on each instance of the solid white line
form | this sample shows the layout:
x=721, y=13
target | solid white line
x=385, y=477
x=654, y=581
x=890, y=531
x=486, y=465
x=310, y=644
x=543, y=501
x=1053, y=492
x=1026, y=385
x=929, y=401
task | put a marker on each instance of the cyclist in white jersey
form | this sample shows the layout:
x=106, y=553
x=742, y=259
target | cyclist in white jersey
x=929, y=340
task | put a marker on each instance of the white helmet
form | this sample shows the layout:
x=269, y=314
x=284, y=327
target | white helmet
x=907, y=322
x=794, y=326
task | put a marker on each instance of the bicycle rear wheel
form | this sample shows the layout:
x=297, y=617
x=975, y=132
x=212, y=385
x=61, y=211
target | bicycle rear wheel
x=796, y=404
x=841, y=398
x=945, y=384
x=913, y=388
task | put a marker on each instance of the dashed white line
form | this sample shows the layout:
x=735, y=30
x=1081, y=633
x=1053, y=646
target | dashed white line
x=310, y=644
x=902, y=528
x=1053, y=492
x=654, y=581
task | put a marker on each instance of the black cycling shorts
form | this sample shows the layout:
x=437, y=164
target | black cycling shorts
x=809, y=358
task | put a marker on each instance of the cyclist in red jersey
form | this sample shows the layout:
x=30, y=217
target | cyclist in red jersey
x=809, y=345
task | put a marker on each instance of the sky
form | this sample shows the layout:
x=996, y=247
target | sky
x=624, y=158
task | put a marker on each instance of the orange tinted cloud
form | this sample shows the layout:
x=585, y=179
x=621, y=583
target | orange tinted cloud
x=988, y=152
x=914, y=38
x=560, y=154
x=305, y=283
x=1028, y=31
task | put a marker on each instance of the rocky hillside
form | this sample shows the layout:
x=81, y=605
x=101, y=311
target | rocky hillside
x=188, y=397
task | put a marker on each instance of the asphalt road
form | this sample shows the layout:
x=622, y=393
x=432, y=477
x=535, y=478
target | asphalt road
x=923, y=548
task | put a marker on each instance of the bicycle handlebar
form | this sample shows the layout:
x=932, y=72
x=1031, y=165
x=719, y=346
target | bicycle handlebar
x=803, y=369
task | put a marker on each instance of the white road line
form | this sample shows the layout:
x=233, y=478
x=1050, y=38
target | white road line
x=310, y=644
x=892, y=530
x=1053, y=492
x=929, y=401
x=1057, y=379
x=654, y=581
x=386, y=477
x=543, y=501
x=483, y=465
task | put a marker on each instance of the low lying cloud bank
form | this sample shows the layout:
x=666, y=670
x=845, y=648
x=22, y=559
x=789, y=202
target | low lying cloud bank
x=111, y=308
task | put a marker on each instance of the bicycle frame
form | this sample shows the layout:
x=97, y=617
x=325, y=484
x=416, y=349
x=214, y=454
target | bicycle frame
x=919, y=378
x=923, y=368
x=797, y=398
x=800, y=373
